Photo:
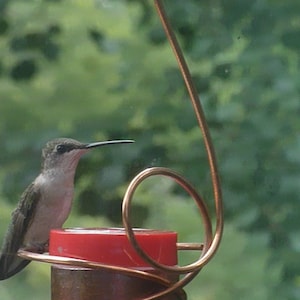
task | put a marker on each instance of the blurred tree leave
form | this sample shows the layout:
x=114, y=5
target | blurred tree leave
x=96, y=70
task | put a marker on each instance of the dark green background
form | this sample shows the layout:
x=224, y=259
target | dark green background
x=96, y=70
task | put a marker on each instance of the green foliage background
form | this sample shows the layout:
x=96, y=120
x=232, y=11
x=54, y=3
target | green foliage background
x=96, y=70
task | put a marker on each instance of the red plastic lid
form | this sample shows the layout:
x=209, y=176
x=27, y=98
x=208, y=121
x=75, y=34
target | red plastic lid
x=111, y=246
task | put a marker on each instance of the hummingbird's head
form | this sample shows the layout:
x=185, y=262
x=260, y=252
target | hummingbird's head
x=65, y=153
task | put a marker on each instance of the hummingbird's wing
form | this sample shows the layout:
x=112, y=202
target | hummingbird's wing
x=10, y=262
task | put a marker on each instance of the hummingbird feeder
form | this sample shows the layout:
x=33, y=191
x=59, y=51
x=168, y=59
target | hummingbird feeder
x=129, y=263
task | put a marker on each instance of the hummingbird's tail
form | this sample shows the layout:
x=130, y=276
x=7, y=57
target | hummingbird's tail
x=10, y=264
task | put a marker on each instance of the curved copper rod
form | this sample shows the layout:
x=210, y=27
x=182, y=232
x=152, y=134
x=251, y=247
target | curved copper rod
x=210, y=246
x=201, y=121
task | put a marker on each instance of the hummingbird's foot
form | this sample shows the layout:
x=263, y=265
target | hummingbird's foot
x=37, y=248
x=46, y=247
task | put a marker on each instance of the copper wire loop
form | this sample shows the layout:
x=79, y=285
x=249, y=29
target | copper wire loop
x=212, y=241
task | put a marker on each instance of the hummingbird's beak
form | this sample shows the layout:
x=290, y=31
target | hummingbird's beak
x=99, y=144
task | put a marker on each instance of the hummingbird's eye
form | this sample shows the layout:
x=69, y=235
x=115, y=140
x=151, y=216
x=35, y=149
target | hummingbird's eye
x=61, y=149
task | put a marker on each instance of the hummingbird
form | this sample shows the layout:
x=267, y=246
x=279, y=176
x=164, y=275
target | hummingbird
x=45, y=204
